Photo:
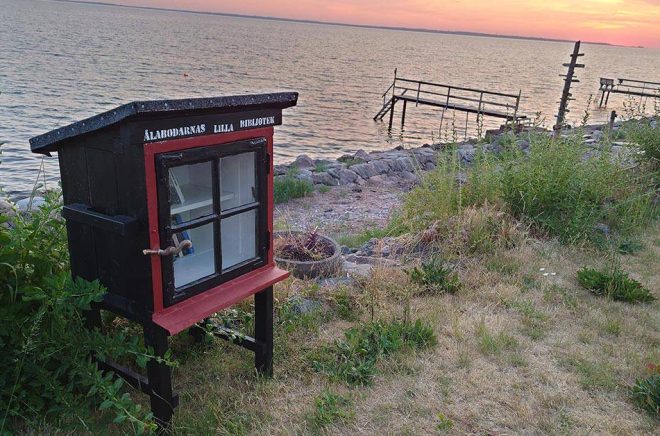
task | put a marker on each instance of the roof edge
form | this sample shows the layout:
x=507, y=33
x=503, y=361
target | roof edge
x=47, y=142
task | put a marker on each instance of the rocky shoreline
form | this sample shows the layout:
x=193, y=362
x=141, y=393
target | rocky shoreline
x=405, y=164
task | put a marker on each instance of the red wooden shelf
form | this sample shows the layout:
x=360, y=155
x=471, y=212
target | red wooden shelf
x=194, y=309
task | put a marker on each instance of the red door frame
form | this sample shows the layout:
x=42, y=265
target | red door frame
x=187, y=312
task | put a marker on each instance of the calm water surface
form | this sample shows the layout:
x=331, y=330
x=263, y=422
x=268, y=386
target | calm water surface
x=62, y=62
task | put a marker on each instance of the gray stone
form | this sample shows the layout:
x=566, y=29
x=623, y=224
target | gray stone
x=597, y=135
x=365, y=170
x=280, y=170
x=324, y=179
x=408, y=175
x=522, y=144
x=466, y=155
x=362, y=155
x=26, y=204
x=6, y=208
x=345, y=250
x=381, y=166
x=304, y=305
x=305, y=175
x=429, y=166
x=357, y=270
x=603, y=228
x=346, y=177
x=402, y=164
x=303, y=161
x=461, y=178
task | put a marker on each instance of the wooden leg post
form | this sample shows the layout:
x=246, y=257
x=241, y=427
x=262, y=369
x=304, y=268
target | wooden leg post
x=263, y=331
x=160, y=378
x=391, y=113
x=403, y=114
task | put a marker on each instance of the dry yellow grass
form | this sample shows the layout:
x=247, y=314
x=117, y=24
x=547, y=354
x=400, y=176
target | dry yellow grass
x=518, y=352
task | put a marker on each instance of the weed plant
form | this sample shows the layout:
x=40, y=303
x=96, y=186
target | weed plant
x=288, y=187
x=435, y=278
x=354, y=358
x=46, y=374
x=561, y=188
x=646, y=391
x=330, y=408
x=614, y=284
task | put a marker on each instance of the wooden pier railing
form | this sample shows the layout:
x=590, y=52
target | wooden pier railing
x=637, y=88
x=468, y=100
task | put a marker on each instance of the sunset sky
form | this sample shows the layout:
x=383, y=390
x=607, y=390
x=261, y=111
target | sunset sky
x=624, y=22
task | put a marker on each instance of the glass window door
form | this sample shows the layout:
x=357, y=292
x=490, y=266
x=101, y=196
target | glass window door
x=212, y=213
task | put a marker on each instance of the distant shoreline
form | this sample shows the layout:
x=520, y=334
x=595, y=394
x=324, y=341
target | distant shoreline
x=331, y=23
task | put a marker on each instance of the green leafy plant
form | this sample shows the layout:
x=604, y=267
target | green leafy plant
x=445, y=423
x=614, y=284
x=46, y=373
x=646, y=391
x=435, y=277
x=354, y=358
x=330, y=408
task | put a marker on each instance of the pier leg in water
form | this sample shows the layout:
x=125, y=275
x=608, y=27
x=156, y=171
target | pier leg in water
x=403, y=114
x=391, y=113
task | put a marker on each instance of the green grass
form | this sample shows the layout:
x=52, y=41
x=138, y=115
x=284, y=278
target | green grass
x=288, y=187
x=614, y=284
x=354, y=358
x=593, y=375
x=494, y=344
x=646, y=393
x=435, y=278
x=357, y=240
x=330, y=408
x=554, y=188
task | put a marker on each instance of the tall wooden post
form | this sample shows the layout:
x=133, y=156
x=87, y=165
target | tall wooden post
x=393, y=101
x=263, y=331
x=160, y=378
x=568, y=80
x=403, y=114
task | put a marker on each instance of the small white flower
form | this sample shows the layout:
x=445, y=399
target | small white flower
x=545, y=274
x=553, y=274
x=541, y=269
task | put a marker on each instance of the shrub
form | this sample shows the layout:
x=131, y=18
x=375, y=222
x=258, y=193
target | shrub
x=46, y=373
x=288, y=187
x=557, y=188
x=646, y=391
x=645, y=135
x=614, y=284
x=435, y=277
x=354, y=358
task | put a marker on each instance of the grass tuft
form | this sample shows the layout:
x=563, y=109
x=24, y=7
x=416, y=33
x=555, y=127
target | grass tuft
x=330, y=408
x=614, y=284
x=354, y=358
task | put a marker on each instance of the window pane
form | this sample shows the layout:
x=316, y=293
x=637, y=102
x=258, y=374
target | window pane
x=199, y=260
x=191, y=192
x=238, y=180
x=239, y=239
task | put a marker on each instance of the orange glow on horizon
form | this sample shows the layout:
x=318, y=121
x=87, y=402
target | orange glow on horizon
x=621, y=22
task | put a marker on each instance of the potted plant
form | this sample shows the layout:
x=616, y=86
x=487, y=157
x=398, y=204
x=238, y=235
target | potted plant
x=307, y=254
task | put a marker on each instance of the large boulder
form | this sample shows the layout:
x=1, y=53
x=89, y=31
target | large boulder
x=6, y=208
x=346, y=177
x=365, y=170
x=304, y=175
x=304, y=162
x=324, y=179
x=28, y=204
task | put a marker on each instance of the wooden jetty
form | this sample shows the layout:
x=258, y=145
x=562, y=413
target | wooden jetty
x=637, y=88
x=469, y=100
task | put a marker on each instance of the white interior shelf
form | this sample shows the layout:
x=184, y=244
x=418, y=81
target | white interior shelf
x=197, y=196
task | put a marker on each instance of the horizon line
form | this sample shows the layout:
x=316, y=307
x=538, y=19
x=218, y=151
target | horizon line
x=336, y=23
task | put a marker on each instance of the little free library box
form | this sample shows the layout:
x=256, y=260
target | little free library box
x=169, y=204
